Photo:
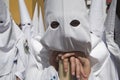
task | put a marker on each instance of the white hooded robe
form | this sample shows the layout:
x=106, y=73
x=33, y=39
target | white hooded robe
x=112, y=34
x=13, y=59
x=62, y=35
x=38, y=65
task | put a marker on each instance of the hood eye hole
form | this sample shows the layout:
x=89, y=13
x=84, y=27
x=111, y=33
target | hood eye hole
x=1, y=21
x=55, y=24
x=28, y=24
x=75, y=23
x=22, y=24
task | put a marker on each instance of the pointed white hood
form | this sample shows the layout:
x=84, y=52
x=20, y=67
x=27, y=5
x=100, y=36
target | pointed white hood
x=38, y=26
x=35, y=21
x=37, y=30
x=67, y=26
x=41, y=24
x=36, y=33
x=25, y=19
x=24, y=15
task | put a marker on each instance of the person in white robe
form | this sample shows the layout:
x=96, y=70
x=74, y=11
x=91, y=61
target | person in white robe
x=13, y=59
x=112, y=33
x=25, y=21
x=36, y=69
x=68, y=30
x=97, y=16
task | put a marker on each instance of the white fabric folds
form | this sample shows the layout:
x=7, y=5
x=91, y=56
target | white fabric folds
x=110, y=26
x=13, y=59
x=67, y=26
x=41, y=23
x=25, y=19
x=112, y=32
x=35, y=28
x=68, y=30
x=36, y=69
x=97, y=17
x=38, y=26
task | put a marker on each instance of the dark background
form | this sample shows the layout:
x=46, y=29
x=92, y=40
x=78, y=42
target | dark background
x=118, y=8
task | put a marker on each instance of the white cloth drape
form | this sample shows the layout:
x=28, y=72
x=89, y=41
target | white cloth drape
x=112, y=28
x=97, y=17
x=13, y=59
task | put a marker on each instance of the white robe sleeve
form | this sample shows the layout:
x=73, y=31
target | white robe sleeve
x=38, y=65
x=39, y=71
